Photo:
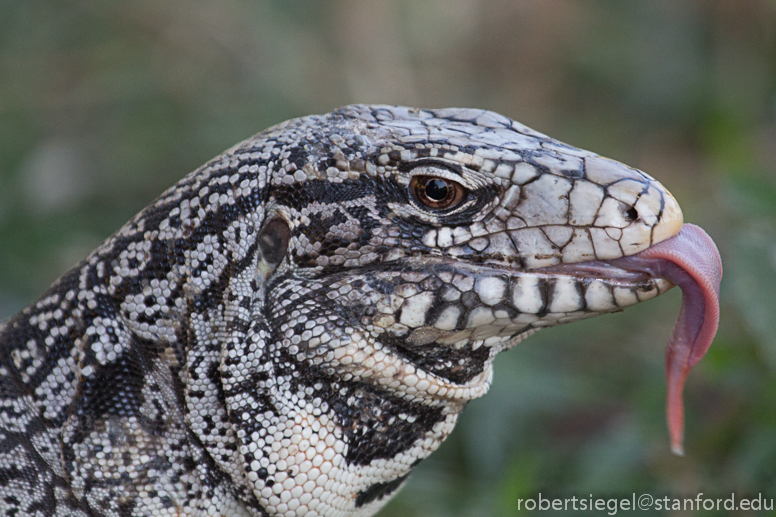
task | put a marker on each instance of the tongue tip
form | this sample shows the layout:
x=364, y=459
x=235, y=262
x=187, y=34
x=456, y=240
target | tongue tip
x=676, y=375
x=677, y=449
x=675, y=417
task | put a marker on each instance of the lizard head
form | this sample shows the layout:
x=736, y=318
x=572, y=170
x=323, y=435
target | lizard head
x=400, y=250
x=445, y=236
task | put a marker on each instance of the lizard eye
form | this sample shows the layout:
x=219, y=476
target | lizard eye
x=435, y=192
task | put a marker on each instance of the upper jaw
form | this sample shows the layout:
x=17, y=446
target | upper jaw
x=613, y=211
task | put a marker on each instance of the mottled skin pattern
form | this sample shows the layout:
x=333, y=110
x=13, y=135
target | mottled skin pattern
x=292, y=327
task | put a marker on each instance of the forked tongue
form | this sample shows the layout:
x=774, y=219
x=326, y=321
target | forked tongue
x=691, y=261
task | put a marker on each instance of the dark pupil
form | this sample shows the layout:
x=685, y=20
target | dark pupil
x=437, y=190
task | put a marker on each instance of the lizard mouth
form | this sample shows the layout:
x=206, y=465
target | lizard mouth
x=691, y=261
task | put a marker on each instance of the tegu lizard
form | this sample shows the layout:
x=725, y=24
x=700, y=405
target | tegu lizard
x=294, y=326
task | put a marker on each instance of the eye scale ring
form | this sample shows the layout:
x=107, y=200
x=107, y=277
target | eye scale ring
x=436, y=192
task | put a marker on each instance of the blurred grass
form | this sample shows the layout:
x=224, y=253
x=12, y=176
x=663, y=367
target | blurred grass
x=105, y=104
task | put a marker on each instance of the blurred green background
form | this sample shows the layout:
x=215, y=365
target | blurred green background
x=104, y=104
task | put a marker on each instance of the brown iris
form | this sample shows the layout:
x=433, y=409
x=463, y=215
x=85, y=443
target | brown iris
x=435, y=192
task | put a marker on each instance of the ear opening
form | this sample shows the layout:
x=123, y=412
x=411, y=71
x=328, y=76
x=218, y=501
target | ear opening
x=273, y=244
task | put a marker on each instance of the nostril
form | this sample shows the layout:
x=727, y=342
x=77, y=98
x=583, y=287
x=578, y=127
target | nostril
x=630, y=213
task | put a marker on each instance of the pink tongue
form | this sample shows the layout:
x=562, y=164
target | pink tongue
x=691, y=261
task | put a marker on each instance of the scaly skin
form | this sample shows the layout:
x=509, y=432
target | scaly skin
x=291, y=328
